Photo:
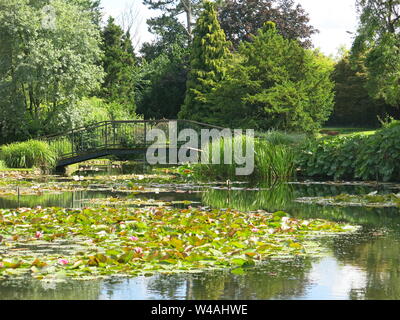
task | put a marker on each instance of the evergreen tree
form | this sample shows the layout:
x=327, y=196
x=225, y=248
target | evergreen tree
x=274, y=83
x=164, y=84
x=119, y=64
x=207, y=65
x=171, y=10
x=353, y=105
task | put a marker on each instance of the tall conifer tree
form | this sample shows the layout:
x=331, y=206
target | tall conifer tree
x=119, y=64
x=207, y=64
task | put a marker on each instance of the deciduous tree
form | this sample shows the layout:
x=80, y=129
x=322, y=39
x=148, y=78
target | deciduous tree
x=48, y=60
x=241, y=19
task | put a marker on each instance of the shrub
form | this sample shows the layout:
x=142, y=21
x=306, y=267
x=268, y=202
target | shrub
x=374, y=157
x=379, y=157
x=329, y=157
x=28, y=154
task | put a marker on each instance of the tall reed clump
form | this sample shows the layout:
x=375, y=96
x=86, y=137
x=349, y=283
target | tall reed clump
x=274, y=161
x=61, y=147
x=29, y=154
x=271, y=162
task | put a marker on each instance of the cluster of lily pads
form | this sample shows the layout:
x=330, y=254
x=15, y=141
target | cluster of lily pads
x=136, y=202
x=57, y=243
x=369, y=200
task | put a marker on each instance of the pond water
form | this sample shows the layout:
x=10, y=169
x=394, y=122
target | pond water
x=364, y=265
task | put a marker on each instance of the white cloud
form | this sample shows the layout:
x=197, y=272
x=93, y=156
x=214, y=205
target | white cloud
x=333, y=18
x=114, y=8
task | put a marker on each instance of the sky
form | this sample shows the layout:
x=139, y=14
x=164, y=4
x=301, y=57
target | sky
x=333, y=18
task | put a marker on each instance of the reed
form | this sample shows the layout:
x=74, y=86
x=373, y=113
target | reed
x=28, y=154
x=272, y=162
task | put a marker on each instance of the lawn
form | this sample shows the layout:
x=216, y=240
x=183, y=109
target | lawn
x=350, y=131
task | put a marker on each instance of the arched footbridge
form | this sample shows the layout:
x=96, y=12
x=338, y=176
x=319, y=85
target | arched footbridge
x=114, y=138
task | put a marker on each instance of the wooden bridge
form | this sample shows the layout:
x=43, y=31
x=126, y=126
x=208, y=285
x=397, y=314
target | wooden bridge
x=113, y=138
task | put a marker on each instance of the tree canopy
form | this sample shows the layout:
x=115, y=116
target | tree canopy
x=44, y=67
x=378, y=39
x=274, y=83
x=119, y=63
x=241, y=19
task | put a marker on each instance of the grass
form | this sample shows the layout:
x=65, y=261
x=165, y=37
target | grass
x=28, y=154
x=3, y=166
x=343, y=131
x=276, y=137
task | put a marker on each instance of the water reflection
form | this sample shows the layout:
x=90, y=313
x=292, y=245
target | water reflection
x=365, y=265
x=30, y=289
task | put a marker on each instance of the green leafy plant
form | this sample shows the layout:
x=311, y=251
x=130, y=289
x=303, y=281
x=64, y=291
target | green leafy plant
x=373, y=157
x=28, y=154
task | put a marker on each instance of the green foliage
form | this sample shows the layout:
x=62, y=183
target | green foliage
x=91, y=110
x=44, y=70
x=378, y=38
x=274, y=83
x=164, y=84
x=379, y=156
x=272, y=162
x=171, y=10
x=329, y=157
x=144, y=241
x=119, y=63
x=2, y=165
x=207, y=65
x=61, y=147
x=353, y=104
x=28, y=154
x=373, y=157
x=276, y=137
x=169, y=33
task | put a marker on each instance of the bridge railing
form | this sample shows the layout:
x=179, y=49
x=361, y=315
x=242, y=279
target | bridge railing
x=105, y=135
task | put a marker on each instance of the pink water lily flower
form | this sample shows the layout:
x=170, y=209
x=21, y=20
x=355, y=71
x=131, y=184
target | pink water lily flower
x=255, y=230
x=138, y=250
x=133, y=238
x=1, y=264
x=38, y=234
x=63, y=261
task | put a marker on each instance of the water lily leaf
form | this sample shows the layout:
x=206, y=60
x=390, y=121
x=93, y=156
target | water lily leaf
x=238, y=271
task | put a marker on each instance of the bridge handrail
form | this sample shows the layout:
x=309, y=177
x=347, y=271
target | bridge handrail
x=101, y=123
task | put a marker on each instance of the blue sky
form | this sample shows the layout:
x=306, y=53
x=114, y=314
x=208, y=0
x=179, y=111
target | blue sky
x=332, y=17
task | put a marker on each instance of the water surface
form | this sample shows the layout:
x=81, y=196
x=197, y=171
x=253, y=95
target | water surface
x=365, y=265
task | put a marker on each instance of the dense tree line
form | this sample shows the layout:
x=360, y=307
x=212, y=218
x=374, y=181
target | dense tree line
x=246, y=63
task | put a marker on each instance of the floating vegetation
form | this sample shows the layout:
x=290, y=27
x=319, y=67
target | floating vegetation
x=373, y=200
x=116, y=201
x=55, y=243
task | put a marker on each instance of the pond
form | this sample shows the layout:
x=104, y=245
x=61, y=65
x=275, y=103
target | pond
x=361, y=265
